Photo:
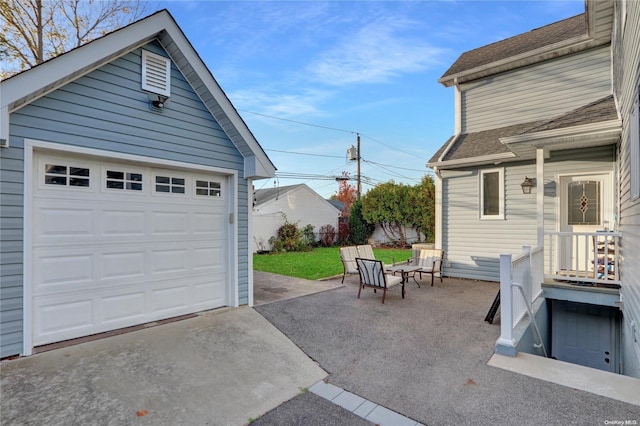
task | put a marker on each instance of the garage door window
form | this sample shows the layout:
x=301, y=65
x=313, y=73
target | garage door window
x=124, y=180
x=168, y=184
x=208, y=188
x=55, y=174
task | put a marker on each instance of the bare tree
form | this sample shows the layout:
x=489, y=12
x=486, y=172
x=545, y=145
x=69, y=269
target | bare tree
x=32, y=31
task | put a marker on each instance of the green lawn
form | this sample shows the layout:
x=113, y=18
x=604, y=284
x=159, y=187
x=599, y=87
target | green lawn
x=319, y=263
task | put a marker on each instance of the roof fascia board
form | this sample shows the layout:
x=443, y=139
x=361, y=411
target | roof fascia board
x=447, y=149
x=51, y=75
x=549, y=136
x=565, y=47
x=473, y=161
x=84, y=59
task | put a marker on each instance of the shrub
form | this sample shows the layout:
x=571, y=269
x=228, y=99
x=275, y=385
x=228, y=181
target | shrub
x=327, y=235
x=360, y=230
x=291, y=238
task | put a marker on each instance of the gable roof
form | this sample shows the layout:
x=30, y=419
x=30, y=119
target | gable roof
x=493, y=144
x=42, y=79
x=522, y=43
x=261, y=196
x=551, y=41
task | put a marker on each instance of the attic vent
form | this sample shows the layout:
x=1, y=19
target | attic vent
x=156, y=73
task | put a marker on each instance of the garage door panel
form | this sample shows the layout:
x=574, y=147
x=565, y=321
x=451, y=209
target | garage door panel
x=171, y=299
x=121, y=223
x=61, y=268
x=208, y=223
x=106, y=257
x=121, y=265
x=175, y=260
x=62, y=222
x=206, y=295
x=170, y=223
x=208, y=259
x=72, y=316
x=129, y=307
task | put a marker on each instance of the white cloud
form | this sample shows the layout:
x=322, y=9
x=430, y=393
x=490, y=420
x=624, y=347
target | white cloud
x=376, y=54
x=280, y=104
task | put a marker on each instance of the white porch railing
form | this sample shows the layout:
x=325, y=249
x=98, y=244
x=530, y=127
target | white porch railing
x=520, y=285
x=585, y=257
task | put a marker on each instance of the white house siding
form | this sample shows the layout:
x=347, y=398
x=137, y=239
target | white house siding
x=537, y=92
x=626, y=76
x=301, y=205
x=474, y=245
x=106, y=110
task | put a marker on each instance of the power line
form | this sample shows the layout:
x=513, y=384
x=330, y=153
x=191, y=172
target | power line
x=390, y=165
x=305, y=153
x=299, y=122
x=326, y=128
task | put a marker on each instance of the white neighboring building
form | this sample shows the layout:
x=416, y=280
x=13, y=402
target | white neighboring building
x=300, y=205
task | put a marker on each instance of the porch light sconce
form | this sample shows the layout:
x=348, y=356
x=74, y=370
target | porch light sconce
x=527, y=185
x=160, y=102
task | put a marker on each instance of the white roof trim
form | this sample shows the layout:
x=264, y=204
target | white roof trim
x=42, y=79
x=544, y=53
x=547, y=137
x=472, y=161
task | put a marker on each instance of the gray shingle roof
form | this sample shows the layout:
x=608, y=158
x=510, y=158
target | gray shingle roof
x=527, y=42
x=487, y=142
x=262, y=195
x=596, y=112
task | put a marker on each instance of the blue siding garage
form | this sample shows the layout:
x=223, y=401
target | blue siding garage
x=90, y=152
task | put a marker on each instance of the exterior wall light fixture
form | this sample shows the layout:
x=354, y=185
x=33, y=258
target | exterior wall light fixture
x=527, y=185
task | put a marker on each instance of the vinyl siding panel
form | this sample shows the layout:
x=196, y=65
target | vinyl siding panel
x=626, y=47
x=473, y=245
x=538, y=92
x=11, y=223
x=107, y=110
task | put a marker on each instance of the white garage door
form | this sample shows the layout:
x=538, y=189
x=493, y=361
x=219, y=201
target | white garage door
x=120, y=244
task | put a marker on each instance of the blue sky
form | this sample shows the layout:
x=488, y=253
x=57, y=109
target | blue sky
x=348, y=67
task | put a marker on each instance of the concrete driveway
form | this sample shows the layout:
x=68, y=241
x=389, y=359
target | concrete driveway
x=223, y=367
x=426, y=357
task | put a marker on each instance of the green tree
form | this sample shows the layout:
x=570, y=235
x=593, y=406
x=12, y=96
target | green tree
x=386, y=205
x=395, y=206
x=421, y=208
x=32, y=31
x=359, y=229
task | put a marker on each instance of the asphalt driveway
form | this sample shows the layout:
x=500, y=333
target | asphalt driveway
x=425, y=357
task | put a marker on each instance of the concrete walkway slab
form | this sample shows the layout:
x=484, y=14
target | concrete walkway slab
x=269, y=288
x=224, y=367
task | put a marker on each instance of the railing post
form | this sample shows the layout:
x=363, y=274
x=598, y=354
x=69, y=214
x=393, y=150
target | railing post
x=527, y=283
x=506, y=344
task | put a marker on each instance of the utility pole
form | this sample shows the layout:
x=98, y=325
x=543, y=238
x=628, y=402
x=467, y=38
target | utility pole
x=353, y=153
x=359, y=185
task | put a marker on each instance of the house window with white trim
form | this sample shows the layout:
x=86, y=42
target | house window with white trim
x=492, y=194
x=634, y=146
